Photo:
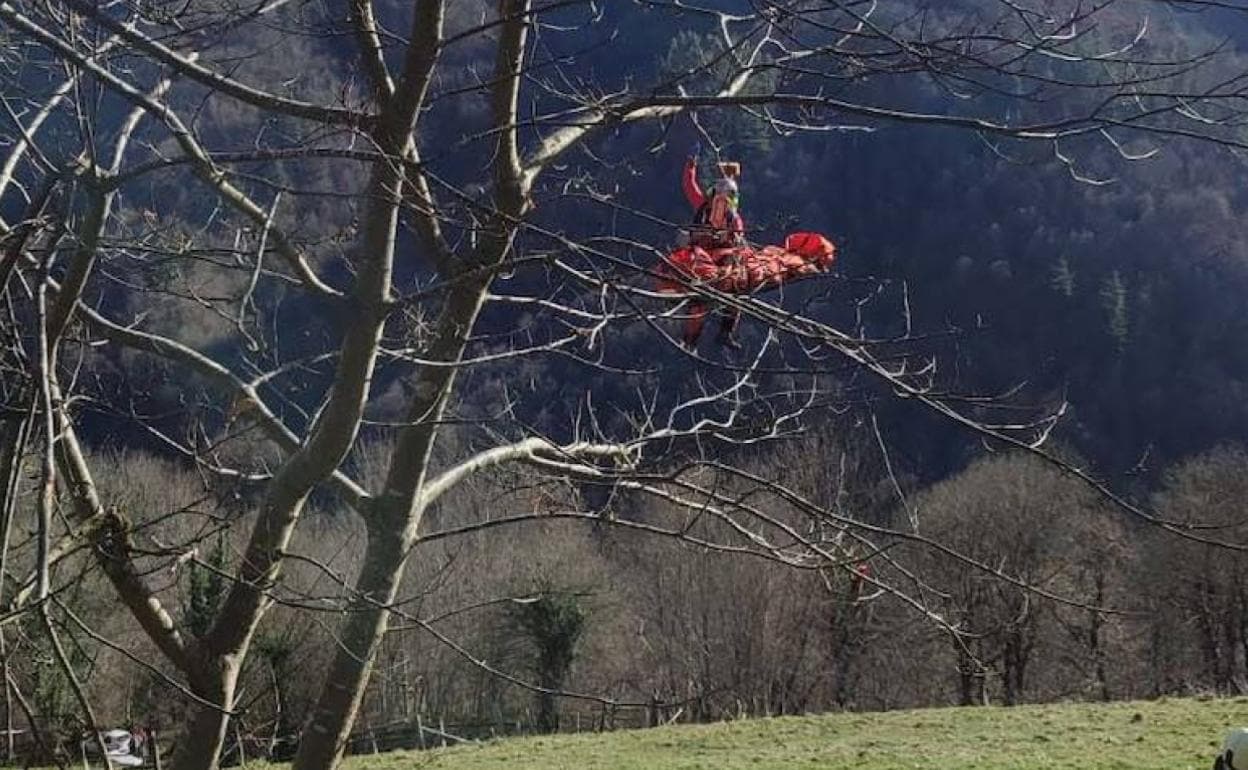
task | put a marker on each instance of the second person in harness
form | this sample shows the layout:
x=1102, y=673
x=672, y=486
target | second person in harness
x=717, y=225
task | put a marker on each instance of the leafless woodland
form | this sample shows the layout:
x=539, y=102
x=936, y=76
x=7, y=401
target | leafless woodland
x=291, y=289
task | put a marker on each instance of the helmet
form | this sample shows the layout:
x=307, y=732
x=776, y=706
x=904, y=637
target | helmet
x=1235, y=749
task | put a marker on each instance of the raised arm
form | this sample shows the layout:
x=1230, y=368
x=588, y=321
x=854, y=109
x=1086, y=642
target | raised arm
x=689, y=183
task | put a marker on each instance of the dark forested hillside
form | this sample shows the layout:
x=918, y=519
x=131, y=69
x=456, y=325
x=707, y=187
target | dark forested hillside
x=1116, y=284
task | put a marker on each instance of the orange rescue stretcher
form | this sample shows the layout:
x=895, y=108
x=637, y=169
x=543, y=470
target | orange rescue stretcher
x=746, y=269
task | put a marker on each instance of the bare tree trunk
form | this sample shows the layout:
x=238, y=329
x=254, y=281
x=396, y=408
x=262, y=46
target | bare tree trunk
x=1206, y=623
x=279, y=706
x=966, y=680
x=1095, y=622
x=325, y=738
x=394, y=517
x=392, y=522
x=201, y=745
x=12, y=440
x=8, y=704
x=1012, y=667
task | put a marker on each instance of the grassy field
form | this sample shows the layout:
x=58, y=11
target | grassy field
x=1168, y=734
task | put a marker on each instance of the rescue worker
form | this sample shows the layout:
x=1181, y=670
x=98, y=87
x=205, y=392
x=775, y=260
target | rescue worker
x=717, y=222
x=717, y=228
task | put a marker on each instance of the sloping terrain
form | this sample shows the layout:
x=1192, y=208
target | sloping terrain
x=1174, y=734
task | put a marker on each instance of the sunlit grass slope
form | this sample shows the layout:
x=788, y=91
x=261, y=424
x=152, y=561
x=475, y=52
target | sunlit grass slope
x=1169, y=734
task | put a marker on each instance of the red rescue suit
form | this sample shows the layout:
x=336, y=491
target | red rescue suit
x=717, y=225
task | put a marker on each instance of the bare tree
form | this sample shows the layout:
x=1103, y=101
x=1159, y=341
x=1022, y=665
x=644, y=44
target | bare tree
x=1022, y=517
x=197, y=189
x=1196, y=592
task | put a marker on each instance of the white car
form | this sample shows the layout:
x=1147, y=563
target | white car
x=120, y=748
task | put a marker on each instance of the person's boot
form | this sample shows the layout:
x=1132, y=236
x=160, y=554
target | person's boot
x=689, y=342
x=729, y=340
x=727, y=336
